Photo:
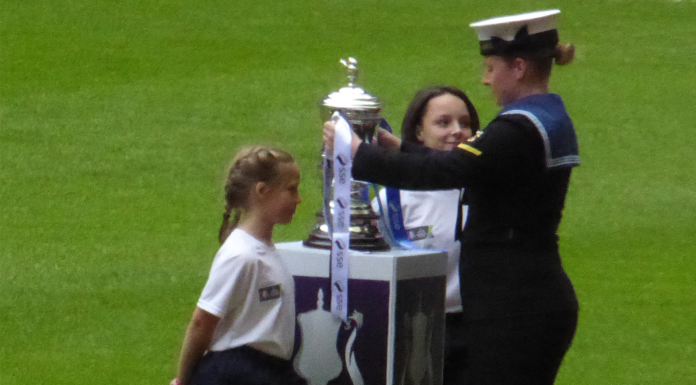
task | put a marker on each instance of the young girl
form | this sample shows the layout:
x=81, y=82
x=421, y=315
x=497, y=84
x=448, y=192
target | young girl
x=441, y=118
x=242, y=330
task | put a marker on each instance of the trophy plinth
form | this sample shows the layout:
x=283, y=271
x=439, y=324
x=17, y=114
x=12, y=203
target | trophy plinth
x=362, y=111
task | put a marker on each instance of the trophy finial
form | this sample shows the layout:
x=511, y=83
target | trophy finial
x=352, y=65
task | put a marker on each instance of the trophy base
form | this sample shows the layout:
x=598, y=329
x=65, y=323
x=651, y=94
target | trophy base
x=355, y=244
x=364, y=234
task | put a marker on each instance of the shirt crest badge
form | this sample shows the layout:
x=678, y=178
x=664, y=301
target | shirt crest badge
x=270, y=292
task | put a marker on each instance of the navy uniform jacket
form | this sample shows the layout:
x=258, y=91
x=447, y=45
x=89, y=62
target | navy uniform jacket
x=516, y=174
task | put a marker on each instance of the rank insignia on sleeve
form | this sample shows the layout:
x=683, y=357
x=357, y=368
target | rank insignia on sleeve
x=479, y=133
x=470, y=149
x=271, y=292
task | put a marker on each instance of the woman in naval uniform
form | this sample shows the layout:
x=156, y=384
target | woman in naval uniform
x=519, y=306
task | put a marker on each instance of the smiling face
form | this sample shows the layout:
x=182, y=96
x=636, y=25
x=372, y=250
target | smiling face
x=445, y=124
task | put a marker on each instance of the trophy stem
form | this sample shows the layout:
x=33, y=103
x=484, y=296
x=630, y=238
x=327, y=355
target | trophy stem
x=364, y=230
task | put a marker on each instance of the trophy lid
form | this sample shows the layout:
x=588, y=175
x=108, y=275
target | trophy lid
x=352, y=97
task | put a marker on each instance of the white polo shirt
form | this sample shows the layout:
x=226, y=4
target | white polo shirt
x=253, y=293
x=430, y=218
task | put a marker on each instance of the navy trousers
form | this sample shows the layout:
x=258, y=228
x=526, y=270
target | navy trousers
x=520, y=350
x=244, y=366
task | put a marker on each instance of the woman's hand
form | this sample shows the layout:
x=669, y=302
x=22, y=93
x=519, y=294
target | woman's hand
x=387, y=140
x=329, y=136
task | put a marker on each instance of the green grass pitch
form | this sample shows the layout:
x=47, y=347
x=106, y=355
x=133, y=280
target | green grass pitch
x=118, y=120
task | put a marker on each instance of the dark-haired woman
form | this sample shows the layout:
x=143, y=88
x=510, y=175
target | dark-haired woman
x=519, y=306
x=441, y=118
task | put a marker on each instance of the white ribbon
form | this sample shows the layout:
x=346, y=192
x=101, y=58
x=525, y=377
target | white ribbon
x=340, y=221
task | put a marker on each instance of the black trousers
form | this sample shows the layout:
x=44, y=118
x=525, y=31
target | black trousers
x=244, y=366
x=455, y=348
x=520, y=350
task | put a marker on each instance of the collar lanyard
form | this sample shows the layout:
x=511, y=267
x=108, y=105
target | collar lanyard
x=396, y=230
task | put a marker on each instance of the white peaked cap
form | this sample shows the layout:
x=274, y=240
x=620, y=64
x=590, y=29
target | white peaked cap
x=506, y=27
x=526, y=31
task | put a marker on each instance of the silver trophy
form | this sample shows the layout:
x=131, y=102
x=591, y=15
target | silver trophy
x=362, y=111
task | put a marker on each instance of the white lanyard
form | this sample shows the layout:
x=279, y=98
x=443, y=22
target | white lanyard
x=339, y=226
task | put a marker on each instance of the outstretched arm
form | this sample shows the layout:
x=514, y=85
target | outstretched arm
x=506, y=148
x=385, y=139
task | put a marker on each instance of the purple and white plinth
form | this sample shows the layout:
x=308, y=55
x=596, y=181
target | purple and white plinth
x=394, y=333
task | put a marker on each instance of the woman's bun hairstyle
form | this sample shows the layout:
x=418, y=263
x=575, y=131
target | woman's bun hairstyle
x=564, y=53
